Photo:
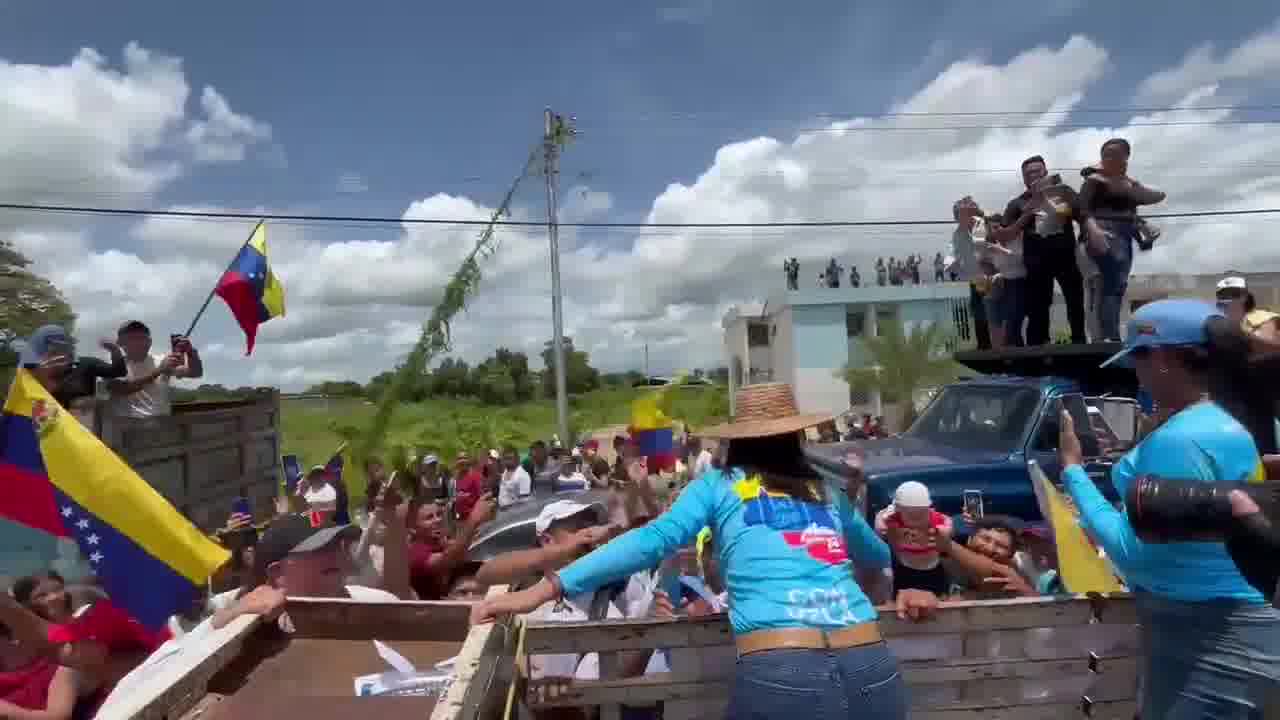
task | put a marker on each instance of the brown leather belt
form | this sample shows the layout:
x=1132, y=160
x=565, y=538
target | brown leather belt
x=867, y=633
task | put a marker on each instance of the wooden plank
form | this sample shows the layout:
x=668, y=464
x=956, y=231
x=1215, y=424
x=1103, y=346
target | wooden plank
x=952, y=617
x=967, y=670
x=346, y=619
x=1113, y=685
x=1122, y=710
x=201, y=447
x=174, y=686
x=476, y=670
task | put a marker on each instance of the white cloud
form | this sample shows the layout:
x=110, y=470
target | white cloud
x=223, y=135
x=358, y=297
x=1254, y=59
x=689, y=12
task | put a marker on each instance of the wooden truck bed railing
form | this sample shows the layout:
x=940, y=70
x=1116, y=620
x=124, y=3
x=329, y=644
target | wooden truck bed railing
x=1020, y=659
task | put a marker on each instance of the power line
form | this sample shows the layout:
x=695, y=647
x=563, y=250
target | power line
x=382, y=220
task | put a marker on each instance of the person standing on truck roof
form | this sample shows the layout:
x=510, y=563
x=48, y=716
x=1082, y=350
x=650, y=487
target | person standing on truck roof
x=807, y=638
x=1042, y=218
x=1212, y=641
x=1109, y=201
x=964, y=265
x=144, y=391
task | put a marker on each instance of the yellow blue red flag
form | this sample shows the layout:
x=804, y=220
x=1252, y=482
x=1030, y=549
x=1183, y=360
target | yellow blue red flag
x=58, y=477
x=250, y=289
x=1080, y=566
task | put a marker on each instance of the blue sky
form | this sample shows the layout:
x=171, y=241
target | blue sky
x=409, y=100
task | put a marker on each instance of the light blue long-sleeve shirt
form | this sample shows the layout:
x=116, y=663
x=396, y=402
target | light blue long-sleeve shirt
x=1203, y=442
x=786, y=563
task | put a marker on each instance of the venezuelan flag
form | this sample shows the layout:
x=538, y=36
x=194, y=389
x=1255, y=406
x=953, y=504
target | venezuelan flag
x=653, y=431
x=56, y=476
x=250, y=289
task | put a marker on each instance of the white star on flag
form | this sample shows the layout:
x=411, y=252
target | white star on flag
x=92, y=539
x=67, y=511
x=95, y=558
x=82, y=524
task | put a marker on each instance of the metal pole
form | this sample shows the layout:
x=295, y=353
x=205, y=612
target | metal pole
x=551, y=150
x=646, y=363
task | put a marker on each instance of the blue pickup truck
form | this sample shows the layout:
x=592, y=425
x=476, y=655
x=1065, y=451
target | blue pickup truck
x=978, y=434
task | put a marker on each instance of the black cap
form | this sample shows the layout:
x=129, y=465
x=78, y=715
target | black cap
x=294, y=533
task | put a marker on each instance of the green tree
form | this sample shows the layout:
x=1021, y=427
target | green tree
x=904, y=363
x=452, y=378
x=579, y=376
x=27, y=301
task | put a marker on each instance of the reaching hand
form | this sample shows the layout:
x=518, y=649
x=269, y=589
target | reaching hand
x=662, y=607
x=916, y=605
x=388, y=501
x=171, y=362
x=485, y=510
x=592, y=536
x=1009, y=580
x=263, y=600
x=524, y=601
x=1069, y=450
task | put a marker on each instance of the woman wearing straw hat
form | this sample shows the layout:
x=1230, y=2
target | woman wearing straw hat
x=807, y=637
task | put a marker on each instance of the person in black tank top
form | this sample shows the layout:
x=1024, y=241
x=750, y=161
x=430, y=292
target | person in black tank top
x=1109, y=200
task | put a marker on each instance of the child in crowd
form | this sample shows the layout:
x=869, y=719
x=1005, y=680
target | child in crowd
x=906, y=525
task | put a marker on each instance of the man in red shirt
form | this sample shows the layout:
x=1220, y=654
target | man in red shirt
x=433, y=559
x=469, y=487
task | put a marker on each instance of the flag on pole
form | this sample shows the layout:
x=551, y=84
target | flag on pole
x=58, y=477
x=250, y=289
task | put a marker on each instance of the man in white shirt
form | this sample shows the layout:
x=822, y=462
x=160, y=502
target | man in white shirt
x=515, y=485
x=144, y=392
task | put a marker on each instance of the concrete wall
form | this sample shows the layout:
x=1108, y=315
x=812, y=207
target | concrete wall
x=782, y=337
x=821, y=349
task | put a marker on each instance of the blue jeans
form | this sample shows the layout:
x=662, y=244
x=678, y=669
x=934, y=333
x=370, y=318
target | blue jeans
x=1114, y=265
x=1012, y=304
x=861, y=683
x=1215, y=660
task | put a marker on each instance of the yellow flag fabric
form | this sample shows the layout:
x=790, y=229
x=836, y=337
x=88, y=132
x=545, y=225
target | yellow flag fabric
x=1081, y=568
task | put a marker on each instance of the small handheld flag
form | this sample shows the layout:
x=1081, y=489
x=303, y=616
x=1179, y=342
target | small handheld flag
x=250, y=289
x=58, y=477
x=1081, y=568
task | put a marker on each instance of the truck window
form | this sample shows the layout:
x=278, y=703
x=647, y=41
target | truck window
x=988, y=418
x=1046, y=439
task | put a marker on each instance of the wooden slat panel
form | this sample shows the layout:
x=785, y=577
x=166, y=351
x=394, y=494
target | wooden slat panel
x=1115, y=684
x=952, y=617
x=967, y=670
x=342, y=619
x=1122, y=710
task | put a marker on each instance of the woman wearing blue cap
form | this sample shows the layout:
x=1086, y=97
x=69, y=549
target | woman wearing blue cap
x=807, y=637
x=1212, y=641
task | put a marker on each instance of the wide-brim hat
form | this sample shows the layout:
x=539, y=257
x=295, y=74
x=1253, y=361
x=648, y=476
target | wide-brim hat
x=762, y=411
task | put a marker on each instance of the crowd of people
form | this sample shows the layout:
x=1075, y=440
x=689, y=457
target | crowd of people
x=747, y=527
x=1013, y=259
x=888, y=272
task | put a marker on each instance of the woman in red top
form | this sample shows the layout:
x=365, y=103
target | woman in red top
x=36, y=687
x=100, y=639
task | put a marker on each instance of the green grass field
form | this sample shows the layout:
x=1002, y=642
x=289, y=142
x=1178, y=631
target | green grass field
x=313, y=429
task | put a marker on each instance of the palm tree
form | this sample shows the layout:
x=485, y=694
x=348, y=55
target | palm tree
x=902, y=364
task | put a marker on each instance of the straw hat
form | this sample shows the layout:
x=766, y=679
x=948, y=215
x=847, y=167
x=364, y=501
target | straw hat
x=764, y=410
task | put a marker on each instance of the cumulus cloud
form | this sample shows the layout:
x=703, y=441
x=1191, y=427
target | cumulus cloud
x=357, y=297
x=222, y=135
x=1254, y=59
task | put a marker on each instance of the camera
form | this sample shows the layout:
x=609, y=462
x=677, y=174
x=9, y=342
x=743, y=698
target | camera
x=1164, y=510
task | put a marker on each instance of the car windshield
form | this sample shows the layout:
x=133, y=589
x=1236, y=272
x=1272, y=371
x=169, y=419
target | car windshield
x=991, y=418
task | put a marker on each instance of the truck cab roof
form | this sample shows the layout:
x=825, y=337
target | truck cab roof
x=1080, y=365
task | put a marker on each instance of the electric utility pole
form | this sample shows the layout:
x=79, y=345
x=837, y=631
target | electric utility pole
x=556, y=132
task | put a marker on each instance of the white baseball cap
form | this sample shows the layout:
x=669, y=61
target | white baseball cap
x=1232, y=282
x=561, y=510
x=912, y=494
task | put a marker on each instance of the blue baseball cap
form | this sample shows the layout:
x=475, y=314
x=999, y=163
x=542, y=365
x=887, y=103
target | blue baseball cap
x=43, y=342
x=1165, y=323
